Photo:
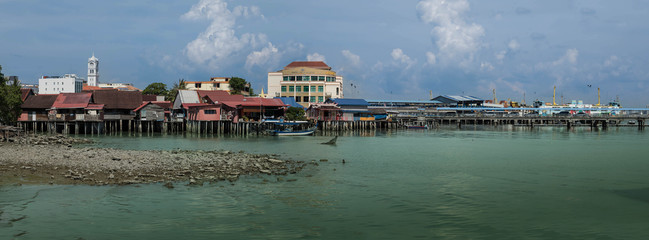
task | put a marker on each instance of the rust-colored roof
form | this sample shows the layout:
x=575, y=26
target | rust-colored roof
x=162, y=104
x=149, y=97
x=218, y=95
x=310, y=64
x=72, y=100
x=118, y=99
x=256, y=102
x=95, y=106
x=42, y=101
x=92, y=88
x=25, y=92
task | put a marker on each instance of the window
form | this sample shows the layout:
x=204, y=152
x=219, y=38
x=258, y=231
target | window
x=305, y=99
x=297, y=99
x=210, y=111
x=314, y=78
x=198, y=85
x=291, y=88
x=320, y=89
x=306, y=78
x=312, y=98
x=298, y=78
x=337, y=91
x=306, y=88
x=321, y=78
x=283, y=88
x=298, y=88
x=312, y=88
x=291, y=78
x=320, y=99
x=285, y=78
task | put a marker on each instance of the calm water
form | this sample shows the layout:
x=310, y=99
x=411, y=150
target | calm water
x=446, y=184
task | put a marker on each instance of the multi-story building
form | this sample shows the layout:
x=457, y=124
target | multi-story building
x=118, y=86
x=306, y=81
x=215, y=83
x=69, y=83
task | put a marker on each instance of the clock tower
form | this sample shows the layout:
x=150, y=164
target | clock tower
x=93, y=71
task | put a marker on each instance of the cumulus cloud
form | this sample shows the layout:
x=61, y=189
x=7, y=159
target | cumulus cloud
x=569, y=58
x=513, y=45
x=353, y=58
x=315, y=57
x=219, y=42
x=431, y=59
x=398, y=55
x=455, y=38
x=610, y=61
x=486, y=66
x=262, y=56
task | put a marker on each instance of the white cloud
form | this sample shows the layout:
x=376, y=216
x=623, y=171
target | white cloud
x=569, y=58
x=353, y=58
x=486, y=66
x=513, y=45
x=219, y=42
x=431, y=58
x=262, y=56
x=398, y=55
x=456, y=39
x=501, y=55
x=315, y=57
x=610, y=61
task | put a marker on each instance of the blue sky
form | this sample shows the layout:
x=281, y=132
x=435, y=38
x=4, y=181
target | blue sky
x=386, y=49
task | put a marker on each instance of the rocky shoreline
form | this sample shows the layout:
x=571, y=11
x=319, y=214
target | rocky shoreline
x=52, y=159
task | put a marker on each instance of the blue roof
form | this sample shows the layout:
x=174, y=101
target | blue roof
x=350, y=102
x=404, y=101
x=290, y=101
x=457, y=98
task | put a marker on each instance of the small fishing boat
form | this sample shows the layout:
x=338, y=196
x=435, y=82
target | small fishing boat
x=293, y=129
x=418, y=127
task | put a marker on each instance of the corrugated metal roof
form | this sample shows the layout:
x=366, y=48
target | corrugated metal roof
x=290, y=101
x=118, y=99
x=188, y=96
x=462, y=98
x=95, y=106
x=350, y=102
x=403, y=101
x=25, y=92
x=218, y=95
x=72, y=100
x=42, y=101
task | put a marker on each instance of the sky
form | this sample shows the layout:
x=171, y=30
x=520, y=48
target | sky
x=400, y=50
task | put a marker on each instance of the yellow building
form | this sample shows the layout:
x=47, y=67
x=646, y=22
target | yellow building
x=306, y=81
x=215, y=83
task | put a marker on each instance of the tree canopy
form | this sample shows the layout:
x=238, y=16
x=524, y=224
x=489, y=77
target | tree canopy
x=237, y=85
x=295, y=114
x=156, y=88
x=9, y=100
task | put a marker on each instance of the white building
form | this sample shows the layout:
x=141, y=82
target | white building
x=306, y=81
x=93, y=71
x=69, y=83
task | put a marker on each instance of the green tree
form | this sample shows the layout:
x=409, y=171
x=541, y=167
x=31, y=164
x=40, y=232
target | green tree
x=9, y=100
x=171, y=94
x=295, y=114
x=158, y=89
x=237, y=85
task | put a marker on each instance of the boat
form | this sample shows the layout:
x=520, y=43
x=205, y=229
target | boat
x=292, y=129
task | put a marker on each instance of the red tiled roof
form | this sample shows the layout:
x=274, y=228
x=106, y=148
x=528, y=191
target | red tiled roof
x=92, y=88
x=42, y=101
x=25, y=92
x=72, y=100
x=191, y=105
x=118, y=99
x=310, y=64
x=256, y=102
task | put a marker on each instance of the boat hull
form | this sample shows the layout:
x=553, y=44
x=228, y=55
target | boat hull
x=297, y=133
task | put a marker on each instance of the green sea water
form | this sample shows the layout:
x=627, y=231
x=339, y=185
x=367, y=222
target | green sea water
x=508, y=183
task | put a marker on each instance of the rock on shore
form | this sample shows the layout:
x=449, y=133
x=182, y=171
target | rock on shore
x=52, y=159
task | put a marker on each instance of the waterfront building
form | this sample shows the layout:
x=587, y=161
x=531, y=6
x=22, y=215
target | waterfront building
x=69, y=83
x=459, y=100
x=93, y=71
x=307, y=82
x=25, y=93
x=35, y=108
x=352, y=109
x=215, y=83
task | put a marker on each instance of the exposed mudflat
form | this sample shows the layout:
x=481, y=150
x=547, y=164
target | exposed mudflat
x=54, y=160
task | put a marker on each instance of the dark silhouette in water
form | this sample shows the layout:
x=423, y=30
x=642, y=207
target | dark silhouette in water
x=332, y=141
